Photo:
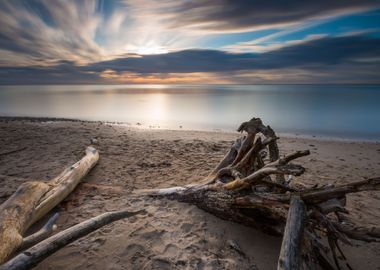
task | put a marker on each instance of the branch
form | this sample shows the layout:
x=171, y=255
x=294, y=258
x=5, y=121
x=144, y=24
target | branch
x=34, y=255
x=366, y=234
x=267, y=170
x=43, y=233
x=295, y=155
x=244, y=149
x=339, y=191
x=228, y=158
x=248, y=160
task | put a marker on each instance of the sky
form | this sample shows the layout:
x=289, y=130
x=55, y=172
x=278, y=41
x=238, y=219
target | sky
x=189, y=42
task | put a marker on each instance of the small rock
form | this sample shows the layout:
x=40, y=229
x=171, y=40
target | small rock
x=94, y=141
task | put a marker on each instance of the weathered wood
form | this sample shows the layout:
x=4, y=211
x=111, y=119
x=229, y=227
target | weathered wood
x=254, y=126
x=40, y=235
x=292, y=240
x=244, y=148
x=316, y=196
x=34, y=255
x=33, y=200
x=250, y=188
x=228, y=158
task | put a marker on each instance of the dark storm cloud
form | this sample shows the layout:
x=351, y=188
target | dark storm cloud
x=335, y=54
x=178, y=62
x=66, y=72
x=222, y=15
x=316, y=53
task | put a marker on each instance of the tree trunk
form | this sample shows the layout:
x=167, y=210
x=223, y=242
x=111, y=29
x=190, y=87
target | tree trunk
x=33, y=200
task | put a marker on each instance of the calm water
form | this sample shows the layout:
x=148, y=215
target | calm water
x=338, y=111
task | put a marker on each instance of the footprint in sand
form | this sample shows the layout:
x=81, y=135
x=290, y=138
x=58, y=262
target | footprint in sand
x=98, y=242
x=171, y=251
x=186, y=227
x=133, y=253
x=159, y=263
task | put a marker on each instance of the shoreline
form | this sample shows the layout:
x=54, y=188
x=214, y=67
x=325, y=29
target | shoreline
x=143, y=127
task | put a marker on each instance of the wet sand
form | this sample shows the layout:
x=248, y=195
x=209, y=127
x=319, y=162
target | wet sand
x=172, y=235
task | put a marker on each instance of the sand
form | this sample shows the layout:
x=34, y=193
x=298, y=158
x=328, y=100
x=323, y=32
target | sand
x=172, y=235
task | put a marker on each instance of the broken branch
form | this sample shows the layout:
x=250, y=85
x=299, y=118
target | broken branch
x=34, y=255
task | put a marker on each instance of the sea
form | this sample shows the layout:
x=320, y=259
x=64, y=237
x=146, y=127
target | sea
x=332, y=111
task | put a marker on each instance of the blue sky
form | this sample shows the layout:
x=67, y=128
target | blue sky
x=202, y=41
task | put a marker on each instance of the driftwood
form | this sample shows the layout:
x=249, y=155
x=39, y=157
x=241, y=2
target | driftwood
x=252, y=185
x=43, y=233
x=34, y=255
x=293, y=234
x=33, y=200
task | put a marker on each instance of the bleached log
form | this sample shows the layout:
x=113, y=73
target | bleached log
x=292, y=240
x=33, y=200
x=34, y=255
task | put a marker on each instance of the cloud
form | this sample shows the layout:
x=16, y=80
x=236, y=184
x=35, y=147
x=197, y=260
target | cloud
x=44, y=32
x=242, y=15
x=326, y=59
x=254, y=46
x=50, y=30
x=311, y=53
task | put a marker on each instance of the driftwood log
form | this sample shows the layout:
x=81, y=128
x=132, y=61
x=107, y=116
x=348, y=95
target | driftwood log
x=33, y=200
x=252, y=185
x=34, y=255
x=293, y=234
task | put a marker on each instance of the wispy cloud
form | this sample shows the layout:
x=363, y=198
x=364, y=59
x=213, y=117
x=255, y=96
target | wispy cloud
x=255, y=46
x=241, y=15
x=50, y=30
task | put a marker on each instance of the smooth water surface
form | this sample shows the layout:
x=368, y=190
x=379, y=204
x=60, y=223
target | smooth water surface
x=347, y=111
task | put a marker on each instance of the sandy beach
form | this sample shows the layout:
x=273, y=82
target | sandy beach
x=172, y=235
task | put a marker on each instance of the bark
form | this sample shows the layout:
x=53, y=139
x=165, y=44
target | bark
x=33, y=200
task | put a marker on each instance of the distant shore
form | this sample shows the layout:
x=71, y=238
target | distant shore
x=173, y=235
